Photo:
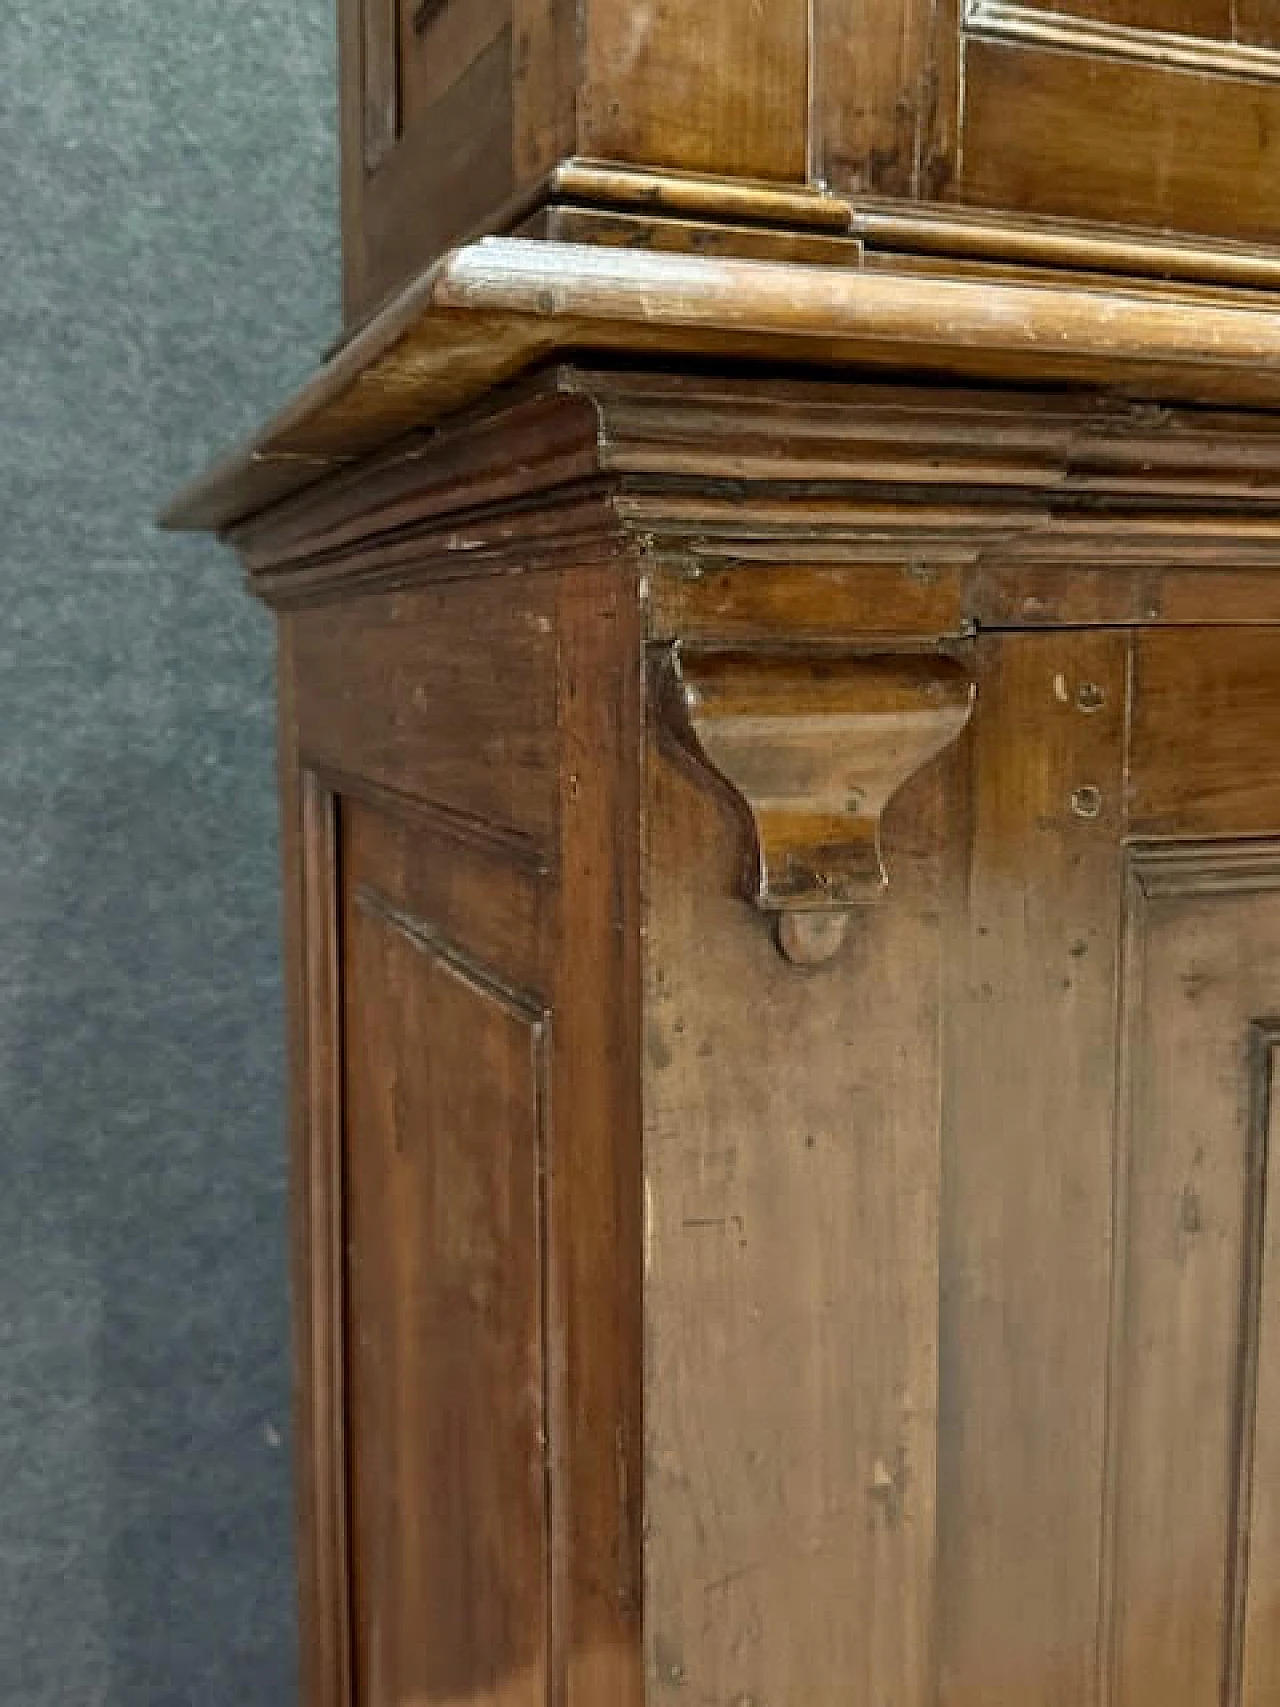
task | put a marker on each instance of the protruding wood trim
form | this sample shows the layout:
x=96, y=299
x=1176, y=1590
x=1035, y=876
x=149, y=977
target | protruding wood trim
x=814, y=749
x=494, y=308
x=998, y=239
x=602, y=183
x=996, y=20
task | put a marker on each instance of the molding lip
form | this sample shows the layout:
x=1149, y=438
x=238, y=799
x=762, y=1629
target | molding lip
x=489, y=311
x=1031, y=26
x=814, y=749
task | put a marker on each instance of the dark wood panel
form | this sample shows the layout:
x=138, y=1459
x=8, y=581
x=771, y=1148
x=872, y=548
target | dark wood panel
x=1206, y=731
x=1038, y=134
x=1028, y=1112
x=474, y=896
x=444, y=1156
x=452, y=169
x=312, y=905
x=705, y=88
x=596, y=1206
x=1194, y=1297
x=439, y=41
x=447, y=694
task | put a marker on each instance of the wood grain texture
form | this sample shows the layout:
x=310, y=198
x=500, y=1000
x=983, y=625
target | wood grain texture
x=814, y=750
x=1037, y=135
x=372, y=690
x=790, y=1376
x=1256, y=1600
x=1222, y=688
x=1195, y=1226
x=313, y=973
x=444, y=1108
x=1026, y=1192
x=596, y=1227
x=865, y=1367
x=647, y=97
x=877, y=68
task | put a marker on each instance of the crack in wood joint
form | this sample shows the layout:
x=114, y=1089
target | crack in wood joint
x=813, y=748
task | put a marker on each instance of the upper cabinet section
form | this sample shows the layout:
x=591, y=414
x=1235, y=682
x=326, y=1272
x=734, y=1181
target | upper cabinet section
x=1158, y=113
x=1163, y=114
x=447, y=107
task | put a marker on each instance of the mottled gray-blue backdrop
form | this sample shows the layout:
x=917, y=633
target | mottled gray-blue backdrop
x=169, y=269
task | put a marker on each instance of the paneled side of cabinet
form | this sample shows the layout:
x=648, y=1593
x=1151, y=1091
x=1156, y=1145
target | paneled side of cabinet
x=467, y=1185
x=445, y=1131
x=448, y=108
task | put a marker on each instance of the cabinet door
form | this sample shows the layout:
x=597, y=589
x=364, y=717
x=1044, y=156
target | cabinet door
x=1109, y=1436
x=1153, y=112
x=1158, y=113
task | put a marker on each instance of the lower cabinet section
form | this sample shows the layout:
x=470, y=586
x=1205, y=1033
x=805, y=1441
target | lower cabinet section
x=689, y=1323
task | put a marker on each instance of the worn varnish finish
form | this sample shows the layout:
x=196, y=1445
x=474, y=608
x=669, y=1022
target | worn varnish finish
x=462, y=116
x=778, y=596
x=888, y=1318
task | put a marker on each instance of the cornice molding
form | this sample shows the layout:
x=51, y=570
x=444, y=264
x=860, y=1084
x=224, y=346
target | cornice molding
x=494, y=309
x=701, y=473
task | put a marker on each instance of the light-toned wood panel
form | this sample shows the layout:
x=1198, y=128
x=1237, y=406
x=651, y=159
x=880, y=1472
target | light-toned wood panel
x=444, y=1092
x=446, y=694
x=1038, y=135
x=1028, y=1111
x=791, y=1134
x=720, y=88
x=1193, y=1222
x=1206, y=731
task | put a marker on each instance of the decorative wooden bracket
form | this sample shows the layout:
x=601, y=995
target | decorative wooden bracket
x=815, y=748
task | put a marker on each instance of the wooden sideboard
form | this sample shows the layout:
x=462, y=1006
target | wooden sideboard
x=779, y=652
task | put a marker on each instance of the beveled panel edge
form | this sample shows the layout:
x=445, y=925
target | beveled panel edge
x=495, y=308
x=1234, y=866
x=1002, y=21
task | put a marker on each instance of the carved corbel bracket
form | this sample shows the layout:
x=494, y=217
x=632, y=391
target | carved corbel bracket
x=814, y=749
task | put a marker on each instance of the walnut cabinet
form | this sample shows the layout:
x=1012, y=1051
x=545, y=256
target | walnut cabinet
x=780, y=761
